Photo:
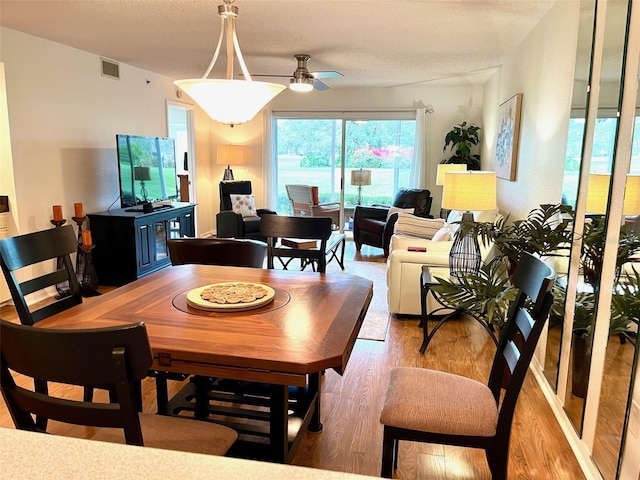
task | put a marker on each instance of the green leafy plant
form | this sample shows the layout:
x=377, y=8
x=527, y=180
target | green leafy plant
x=487, y=294
x=460, y=141
x=625, y=304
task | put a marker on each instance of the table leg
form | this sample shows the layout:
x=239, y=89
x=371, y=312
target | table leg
x=279, y=423
x=424, y=291
x=314, y=388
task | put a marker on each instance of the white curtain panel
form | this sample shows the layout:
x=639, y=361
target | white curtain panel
x=416, y=177
x=268, y=161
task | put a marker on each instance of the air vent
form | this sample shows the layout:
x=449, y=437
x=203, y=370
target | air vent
x=110, y=68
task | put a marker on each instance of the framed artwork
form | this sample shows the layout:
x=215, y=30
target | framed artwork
x=508, y=138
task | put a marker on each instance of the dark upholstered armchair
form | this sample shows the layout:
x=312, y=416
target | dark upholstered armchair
x=230, y=224
x=371, y=226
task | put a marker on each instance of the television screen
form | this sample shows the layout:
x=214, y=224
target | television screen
x=147, y=169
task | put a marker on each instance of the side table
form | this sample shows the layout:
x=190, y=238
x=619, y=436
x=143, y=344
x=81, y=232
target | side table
x=442, y=312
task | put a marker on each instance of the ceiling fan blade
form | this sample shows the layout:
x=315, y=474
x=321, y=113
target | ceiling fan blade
x=318, y=85
x=326, y=74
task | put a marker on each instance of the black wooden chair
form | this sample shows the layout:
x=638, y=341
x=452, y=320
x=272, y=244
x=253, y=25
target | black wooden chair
x=56, y=246
x=372, y=225
x=276, y=227
x=119, y=357
x=217, y=251
x=423, y=405
x=230, y=224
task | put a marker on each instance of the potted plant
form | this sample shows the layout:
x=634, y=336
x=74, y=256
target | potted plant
x=460, y=141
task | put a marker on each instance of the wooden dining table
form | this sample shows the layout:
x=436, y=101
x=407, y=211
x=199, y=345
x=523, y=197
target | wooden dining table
x=310, y=326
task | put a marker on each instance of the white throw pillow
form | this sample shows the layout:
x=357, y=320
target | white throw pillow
x=245, y=205
x=417, y=226
x=393, y=210
x=442, y=235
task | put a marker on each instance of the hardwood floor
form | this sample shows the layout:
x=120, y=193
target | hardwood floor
x=352, y=436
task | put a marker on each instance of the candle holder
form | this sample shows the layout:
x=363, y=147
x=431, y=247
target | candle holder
x=85, y=271
x=62, y=287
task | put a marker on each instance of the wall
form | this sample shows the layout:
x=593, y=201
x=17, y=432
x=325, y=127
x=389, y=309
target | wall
x=64, y=117
x=542, y=69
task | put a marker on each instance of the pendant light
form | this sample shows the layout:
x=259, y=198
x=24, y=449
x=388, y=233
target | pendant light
x=229, y=101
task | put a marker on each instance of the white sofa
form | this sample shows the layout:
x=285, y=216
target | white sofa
x=404, y=267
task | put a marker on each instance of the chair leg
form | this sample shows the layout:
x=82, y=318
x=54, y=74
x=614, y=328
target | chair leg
x=162, y=392
x=389, y=454
x=498, y=461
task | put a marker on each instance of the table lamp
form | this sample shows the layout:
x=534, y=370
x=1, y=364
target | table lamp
x=440, y=172
x=360, y=178
x=598, y=194
x=466, y=191
x=142, y=174
x=230, y=155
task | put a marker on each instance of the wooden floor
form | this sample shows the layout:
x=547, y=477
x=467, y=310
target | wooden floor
x=352, y=436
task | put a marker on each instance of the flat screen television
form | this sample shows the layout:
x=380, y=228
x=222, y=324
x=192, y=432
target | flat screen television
x=147, y=169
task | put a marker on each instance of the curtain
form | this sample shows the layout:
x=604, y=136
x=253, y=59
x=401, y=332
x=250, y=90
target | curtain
x=418, y=167
x=268, y=162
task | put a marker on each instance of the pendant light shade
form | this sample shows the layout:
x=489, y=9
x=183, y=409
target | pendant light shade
x=229, y=101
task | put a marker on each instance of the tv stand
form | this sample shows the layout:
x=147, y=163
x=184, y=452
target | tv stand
x=131, y=243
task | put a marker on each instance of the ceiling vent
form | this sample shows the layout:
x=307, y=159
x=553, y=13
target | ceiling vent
x=109, y=68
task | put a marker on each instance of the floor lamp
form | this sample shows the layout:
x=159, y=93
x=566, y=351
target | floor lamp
x=440, y=172
x=467, y=191
x=230, y=155
x=360, y=178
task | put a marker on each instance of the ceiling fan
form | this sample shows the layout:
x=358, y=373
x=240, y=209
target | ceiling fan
x=302, y=79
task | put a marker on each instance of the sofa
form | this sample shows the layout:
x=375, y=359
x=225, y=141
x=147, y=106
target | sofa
x=404, y=267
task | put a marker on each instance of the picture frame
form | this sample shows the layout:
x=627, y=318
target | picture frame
x=508, y=137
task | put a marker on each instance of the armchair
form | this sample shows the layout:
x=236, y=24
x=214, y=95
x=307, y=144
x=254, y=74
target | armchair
x=306, y=203
x=374, y=226
x=231, y=224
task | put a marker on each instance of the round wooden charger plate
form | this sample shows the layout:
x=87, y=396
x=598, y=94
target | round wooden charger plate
x=195, y=300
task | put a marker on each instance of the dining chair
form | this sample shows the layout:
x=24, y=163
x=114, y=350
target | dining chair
x=32, y=250
x=305, y=202
x=276, y=227
x=119, y=357
x=217, y=251
x=423, y=405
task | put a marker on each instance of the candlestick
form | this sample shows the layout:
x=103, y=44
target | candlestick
x=78, y=210
x=57, y=213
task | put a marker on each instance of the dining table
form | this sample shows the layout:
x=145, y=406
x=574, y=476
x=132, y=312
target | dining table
x=310, y=325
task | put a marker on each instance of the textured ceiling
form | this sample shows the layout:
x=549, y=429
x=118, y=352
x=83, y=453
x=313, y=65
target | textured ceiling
x=373, y=43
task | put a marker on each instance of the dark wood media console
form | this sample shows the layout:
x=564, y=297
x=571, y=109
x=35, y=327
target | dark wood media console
x=131, y=243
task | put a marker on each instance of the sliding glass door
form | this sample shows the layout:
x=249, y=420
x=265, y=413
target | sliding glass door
x=351, y=160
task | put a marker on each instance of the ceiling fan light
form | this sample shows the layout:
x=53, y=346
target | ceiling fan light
x=301, y=84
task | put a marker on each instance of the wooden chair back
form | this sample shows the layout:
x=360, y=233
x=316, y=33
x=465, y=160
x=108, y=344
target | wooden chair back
x=217, y=251
x=276, y=227
x=301, y=199
x=33, y=250
x=117, y=357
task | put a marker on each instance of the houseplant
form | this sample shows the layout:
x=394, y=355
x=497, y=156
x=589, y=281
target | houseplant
x=460, y=141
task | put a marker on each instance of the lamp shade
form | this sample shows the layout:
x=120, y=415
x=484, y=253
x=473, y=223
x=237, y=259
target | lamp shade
x=231, y=154
x=471, y=190
x=231, y=102
x=448, y=167
x=360, y=177
x=598, y=194
x=142, y=173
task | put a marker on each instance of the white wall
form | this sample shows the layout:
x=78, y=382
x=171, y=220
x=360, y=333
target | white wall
x=542, y=69
x=64, y=117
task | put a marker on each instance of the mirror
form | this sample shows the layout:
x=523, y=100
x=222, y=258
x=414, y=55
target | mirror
x=621, y=351
x=571, y=176
x=605, y=128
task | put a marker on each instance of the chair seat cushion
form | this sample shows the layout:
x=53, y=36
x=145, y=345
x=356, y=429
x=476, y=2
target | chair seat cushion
x=171, y=433
x=372, y=225
x=439, y=402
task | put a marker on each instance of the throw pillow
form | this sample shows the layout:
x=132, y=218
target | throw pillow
x=417, y=226
x=393, y=210
x=244, y=205
x=442, y=235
